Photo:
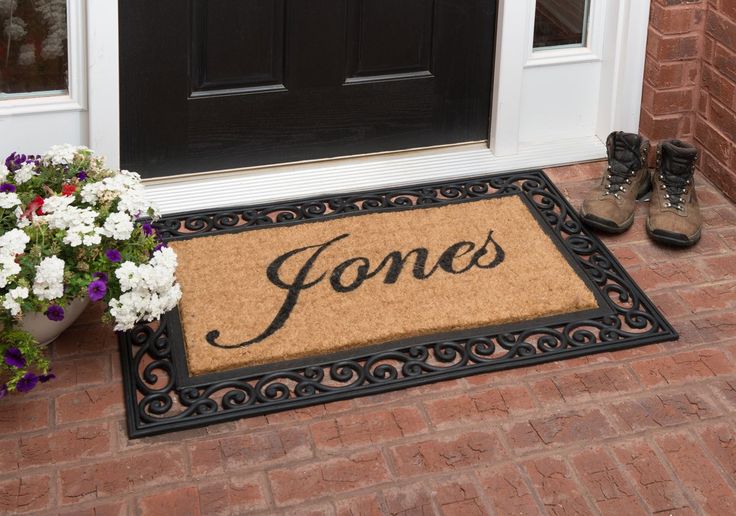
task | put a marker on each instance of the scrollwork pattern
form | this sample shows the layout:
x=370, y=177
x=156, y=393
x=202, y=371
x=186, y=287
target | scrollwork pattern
x=156, y=404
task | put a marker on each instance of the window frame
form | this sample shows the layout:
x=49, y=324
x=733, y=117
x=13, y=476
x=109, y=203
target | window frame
x=592, y=50
x=586, y=26
x=75, y=99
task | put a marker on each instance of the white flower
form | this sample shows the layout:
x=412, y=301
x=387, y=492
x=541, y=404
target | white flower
x=54, y=15
x=124, y=186
x=62, y=154
x=131, y=178
x=91, y=239
x=166, y=258
x=8, y=269
x=135, y=202
x=57, y=203
x=13, y=242
x=11, y=300
x=118, y=226
x=77, y=234
x=128, y=275
x=6, y=6
x=25, y=172
x=149, y=290
x=49, y=280
x=107, y=189
x=15, y=28
x=3, y=172
x=142, y=305
x=125, y=315
x=79, y=223
x=26, y=54
x=9, y=200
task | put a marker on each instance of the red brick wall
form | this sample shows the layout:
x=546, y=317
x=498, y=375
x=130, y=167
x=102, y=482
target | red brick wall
x=690, y=82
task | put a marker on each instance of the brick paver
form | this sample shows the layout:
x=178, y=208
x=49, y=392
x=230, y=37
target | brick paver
x=646, y=430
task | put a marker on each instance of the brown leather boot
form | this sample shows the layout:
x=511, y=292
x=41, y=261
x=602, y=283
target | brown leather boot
x=610, y=207
x=674, y=215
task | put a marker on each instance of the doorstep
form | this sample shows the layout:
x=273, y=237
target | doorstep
x=249, y=187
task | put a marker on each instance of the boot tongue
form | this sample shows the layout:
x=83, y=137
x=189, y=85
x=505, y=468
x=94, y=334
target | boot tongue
x=677, y=159
x=625, y=152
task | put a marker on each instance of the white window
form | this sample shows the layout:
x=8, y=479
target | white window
x=561, y=23
x=43, y=81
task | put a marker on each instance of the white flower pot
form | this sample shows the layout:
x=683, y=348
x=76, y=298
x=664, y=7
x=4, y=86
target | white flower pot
x=46, y=331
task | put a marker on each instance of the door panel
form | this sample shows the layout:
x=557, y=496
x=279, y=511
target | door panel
x=237, y=46
x=389, y=38
x=215, y=84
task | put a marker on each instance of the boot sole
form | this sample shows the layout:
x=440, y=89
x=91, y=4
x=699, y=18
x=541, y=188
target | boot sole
x=673, y=239
x=606, y=225
x=609, y=227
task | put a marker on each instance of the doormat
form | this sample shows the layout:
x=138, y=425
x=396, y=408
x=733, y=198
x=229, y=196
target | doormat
x=306, y=302
x=285, y=292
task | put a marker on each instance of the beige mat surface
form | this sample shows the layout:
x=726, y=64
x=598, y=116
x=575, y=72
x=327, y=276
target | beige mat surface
x=367, y=279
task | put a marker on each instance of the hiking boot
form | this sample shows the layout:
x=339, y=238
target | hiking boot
x=674, y=215
x=610, y=207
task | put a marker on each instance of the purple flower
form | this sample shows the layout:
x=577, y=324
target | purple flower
x=7, y=187
x=46, y=377
x=113, y=255
x=97, y=290
x=147, y=229
x=82, y=175
x=100, y=276
x=27, y=383
x=14, y=358
x=3, y=391
x=55, y=313
x=15, y=161
x=159, y=246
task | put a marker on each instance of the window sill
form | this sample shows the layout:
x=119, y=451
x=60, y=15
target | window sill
x=39, y=105
x=558, y=56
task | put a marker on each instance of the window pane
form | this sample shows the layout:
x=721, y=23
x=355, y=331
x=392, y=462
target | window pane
x=560, y=23
x=33, y=47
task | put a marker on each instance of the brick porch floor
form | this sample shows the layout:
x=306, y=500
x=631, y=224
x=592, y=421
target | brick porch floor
x=649, y=430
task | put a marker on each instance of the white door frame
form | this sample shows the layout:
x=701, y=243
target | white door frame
x=621, y=31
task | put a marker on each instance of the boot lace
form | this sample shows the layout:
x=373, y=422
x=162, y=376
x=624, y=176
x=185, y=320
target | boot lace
x=676, y=187
x=619, y=174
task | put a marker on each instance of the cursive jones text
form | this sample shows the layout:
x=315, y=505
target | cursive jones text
x=458, y=258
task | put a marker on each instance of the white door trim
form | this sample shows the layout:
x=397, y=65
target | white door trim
x=104, y=79
x=623, y=53
x=623, y=80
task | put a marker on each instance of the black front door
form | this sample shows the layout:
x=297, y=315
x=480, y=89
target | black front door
x=217, y=84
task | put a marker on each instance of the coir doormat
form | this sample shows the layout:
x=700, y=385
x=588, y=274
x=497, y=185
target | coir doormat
x=323, y=299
